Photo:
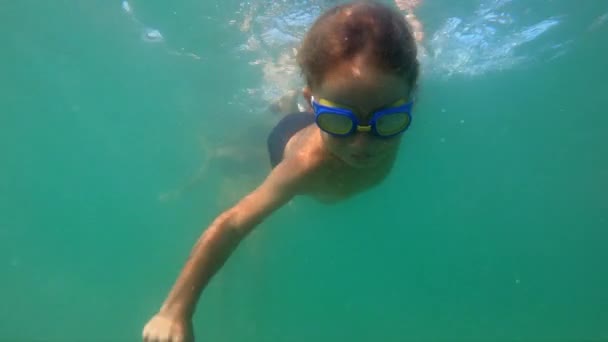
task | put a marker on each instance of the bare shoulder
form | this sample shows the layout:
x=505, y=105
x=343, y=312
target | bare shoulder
x=302, y=157
x=305, y=147
x=285, y=181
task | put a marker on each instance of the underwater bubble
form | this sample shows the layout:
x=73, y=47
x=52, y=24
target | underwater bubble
x=126, y=7
x=598, y=22
x=152, y=36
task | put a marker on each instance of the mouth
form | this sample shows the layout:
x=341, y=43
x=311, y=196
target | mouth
x=361, y=156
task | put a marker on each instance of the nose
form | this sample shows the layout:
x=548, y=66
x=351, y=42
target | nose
x=361, y=141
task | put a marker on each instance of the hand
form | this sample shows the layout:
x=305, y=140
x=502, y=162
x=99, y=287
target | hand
x=165, y=328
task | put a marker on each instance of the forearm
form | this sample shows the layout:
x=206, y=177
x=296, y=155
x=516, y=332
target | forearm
x=208, y=255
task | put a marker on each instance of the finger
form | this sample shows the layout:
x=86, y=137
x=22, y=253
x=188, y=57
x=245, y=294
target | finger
x=149, y=333
x=145, y=334
x=164, y=336
x=152, y=335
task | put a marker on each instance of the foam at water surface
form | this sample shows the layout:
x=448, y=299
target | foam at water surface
x=496, y=36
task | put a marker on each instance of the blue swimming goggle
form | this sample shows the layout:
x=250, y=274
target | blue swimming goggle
x=341, y=121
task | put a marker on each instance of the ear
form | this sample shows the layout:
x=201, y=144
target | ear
x=307, y=94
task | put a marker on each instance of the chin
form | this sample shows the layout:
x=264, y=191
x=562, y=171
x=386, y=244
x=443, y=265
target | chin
x=360, y=162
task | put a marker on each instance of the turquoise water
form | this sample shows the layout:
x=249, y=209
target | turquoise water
x=117, y=149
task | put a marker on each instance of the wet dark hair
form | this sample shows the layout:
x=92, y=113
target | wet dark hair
x=364, y=29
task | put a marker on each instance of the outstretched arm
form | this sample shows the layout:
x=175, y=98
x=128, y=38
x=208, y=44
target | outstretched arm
x=173, y=322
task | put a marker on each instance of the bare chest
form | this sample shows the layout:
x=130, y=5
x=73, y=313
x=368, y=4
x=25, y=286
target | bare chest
x=338, y=183
x=332, y=180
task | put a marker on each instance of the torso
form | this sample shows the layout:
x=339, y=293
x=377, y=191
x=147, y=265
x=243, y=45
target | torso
x=327, y=178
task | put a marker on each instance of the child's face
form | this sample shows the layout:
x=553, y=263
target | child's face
x=365, y=90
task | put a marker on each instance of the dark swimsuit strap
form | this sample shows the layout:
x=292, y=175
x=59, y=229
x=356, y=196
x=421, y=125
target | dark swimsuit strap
x=283, y=131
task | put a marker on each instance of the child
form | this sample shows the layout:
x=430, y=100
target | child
x=359, y=63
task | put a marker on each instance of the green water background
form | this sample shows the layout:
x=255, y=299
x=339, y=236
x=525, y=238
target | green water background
x=492, y=226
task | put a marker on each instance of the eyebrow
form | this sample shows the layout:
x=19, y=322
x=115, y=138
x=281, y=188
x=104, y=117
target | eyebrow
x=370, y=112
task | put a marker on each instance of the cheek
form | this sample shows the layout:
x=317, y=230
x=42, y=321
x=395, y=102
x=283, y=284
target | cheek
x=387, y=144
x=359, y=144
x=337, y=146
